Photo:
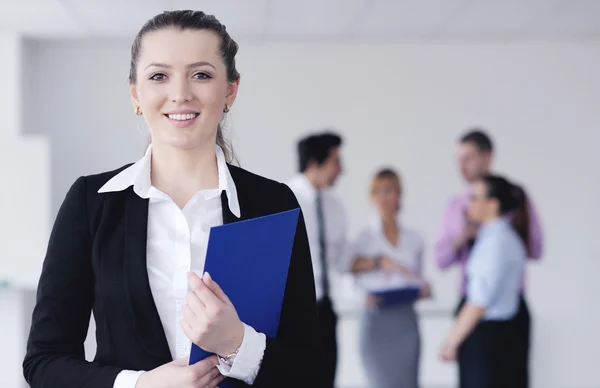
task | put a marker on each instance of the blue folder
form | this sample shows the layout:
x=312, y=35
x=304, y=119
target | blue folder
x=250, y=260
x=398, y=296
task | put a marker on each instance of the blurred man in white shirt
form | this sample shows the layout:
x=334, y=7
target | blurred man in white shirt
x=320, y=165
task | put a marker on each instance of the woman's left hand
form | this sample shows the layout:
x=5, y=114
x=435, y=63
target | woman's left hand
x=209, y=318
x=448, y=352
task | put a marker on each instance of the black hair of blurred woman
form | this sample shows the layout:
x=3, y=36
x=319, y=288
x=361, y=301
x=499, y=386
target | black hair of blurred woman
x=513, y=203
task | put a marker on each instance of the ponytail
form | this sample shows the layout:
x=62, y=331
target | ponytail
x=513, y=203
x=520, y=217
x=225, y=146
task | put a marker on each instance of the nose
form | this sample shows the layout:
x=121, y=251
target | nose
x=181, y=91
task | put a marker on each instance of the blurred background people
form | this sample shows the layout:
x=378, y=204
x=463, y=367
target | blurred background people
x=398, y=76
x=486, y=337
x=458, y=232
x=320, y=165
x=384, y=251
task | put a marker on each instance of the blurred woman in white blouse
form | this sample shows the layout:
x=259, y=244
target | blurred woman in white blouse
x=388, y=255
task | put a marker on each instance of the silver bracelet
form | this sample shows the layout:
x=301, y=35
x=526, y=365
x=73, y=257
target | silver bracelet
x=228, y=360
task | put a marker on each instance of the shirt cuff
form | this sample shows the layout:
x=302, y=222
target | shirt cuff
x=478, y=298
x=248, y=359
x=127, y=379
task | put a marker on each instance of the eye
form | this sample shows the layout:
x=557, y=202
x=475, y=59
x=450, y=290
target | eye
x=202, y=76
x=157, y=77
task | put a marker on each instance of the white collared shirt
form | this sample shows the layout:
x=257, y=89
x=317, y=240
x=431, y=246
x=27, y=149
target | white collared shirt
x=372, y=242
x=335, y=229
x=176, y=244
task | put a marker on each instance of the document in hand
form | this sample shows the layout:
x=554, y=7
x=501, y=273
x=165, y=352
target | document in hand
x=391, y=289
x=398, y=295
x=250, y=260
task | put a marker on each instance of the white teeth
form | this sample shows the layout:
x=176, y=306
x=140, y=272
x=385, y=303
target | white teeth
x=184, y=117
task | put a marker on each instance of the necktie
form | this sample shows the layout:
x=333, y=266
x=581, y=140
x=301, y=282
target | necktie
x=322, y=251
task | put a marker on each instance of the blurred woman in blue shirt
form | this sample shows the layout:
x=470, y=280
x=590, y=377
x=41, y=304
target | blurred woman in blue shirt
x=485, y=339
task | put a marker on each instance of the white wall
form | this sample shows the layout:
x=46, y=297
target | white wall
x=399, y=105
x=23, y=206
x=25, y=173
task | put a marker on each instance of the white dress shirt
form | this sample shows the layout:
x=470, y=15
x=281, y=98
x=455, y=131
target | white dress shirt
x=372, y=242
x=176, y=244
x=335, y=229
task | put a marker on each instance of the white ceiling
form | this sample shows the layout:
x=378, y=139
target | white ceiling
x=372, y=20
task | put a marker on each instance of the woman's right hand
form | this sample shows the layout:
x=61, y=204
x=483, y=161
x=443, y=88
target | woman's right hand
x=469, y=232
x=373, y=301
x=425, y=291
x=177, y=374
x=390, y=266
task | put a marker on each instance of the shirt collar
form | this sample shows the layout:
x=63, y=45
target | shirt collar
x=467, y=193
x=138, y=176
x=376, y=224
x=301, y=182
x=499, y=223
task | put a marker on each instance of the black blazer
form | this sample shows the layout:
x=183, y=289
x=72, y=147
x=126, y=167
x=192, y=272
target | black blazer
x=96, y=261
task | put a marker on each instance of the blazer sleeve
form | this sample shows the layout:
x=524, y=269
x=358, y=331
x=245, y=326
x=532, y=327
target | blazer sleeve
x=55, y=354
x=293, y=359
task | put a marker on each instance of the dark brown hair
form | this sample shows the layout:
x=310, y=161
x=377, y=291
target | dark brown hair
x=479, y=138
x=513, y=202
x=191, y=20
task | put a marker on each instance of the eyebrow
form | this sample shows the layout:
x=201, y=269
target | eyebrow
x=190, y=66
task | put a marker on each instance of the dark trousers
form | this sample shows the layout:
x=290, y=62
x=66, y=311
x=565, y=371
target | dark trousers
x=328, y=322
x=496, y=353
x=523, y=327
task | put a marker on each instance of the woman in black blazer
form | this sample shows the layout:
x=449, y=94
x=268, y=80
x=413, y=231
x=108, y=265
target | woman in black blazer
x=126, y=244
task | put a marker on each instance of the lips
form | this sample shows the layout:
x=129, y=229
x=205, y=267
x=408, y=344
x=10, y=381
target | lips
x=182, y=116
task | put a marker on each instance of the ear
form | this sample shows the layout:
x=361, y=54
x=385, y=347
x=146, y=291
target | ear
x=489, y=157
x=232, y=88
x=312, y=165
x=133, y=95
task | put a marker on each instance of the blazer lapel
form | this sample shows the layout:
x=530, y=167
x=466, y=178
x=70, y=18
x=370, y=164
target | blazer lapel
x=147, y=322
x=228, y=216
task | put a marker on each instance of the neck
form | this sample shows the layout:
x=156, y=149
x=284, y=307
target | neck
x=479, y=176
x=182, y=173
x=491, y=219
x=389, y=221
x=312, y=178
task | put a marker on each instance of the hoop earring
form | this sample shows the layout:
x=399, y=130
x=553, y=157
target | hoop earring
x=138, y=111
x=226, y=109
